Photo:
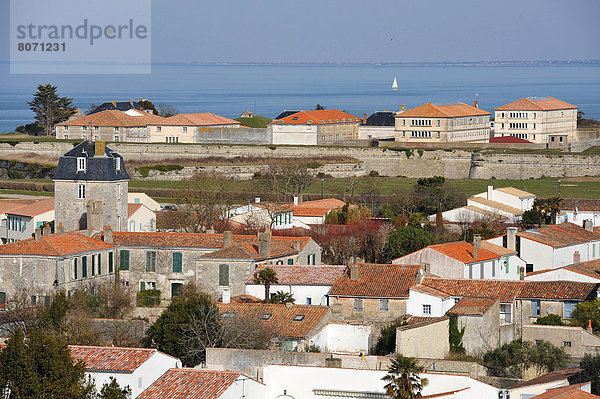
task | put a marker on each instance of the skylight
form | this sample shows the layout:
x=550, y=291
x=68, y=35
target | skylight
x=299, y=317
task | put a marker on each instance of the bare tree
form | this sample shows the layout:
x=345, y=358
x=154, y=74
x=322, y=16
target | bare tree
x=288, y=177
x=18, y=313
x=167, y=110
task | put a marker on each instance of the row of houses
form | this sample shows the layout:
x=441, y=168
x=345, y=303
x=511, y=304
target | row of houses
x=542, y=120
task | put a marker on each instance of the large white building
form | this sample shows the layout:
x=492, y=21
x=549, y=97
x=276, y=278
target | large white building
x=538, y=119
x=315, y=127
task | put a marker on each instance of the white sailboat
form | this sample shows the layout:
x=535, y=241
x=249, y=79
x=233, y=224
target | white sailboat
x=395, y=84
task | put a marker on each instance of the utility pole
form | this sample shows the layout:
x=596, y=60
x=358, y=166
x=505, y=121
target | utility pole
x=322, y=188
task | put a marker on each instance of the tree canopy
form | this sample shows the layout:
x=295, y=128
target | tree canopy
x=49, y=108
x=407, y=239
x=403, y=380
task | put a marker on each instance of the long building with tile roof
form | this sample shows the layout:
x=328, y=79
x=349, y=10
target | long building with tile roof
x=315, y=127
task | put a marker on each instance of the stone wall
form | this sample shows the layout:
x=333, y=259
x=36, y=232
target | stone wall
x=240, y=135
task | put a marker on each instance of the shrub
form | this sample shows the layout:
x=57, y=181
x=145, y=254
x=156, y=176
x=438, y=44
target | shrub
x=373, y=173
x=148, y=298
x=386, y=343
x=550, y=320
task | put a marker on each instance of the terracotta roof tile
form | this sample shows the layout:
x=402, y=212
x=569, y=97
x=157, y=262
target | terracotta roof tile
x=430, y=110
x=581, y=204
x=463, y=252
x=54, y=245
x=281, y=321
x=245, y=298
x=251, y=251
x=556, y=375
x=303, y=274
x=568, y=392
x=472, y=306
x=318, y=207
x=318, y=117
x=378, y=281
x=535, y=104
x=34, y=208
x=423, y=289
x=197, y=119
x=114, y=118
x=104, y=358
x=560, y=235
x=190, y=384
x=8, y=205
x=133, y=208
x=497, y=249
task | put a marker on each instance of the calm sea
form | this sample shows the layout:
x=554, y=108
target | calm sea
x=268, y=89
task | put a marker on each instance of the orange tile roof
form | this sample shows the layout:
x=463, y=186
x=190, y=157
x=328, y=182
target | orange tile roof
x=54, y=245
x=535, y=104
x=508, y=290
x=281, y=322
x=245, y=298
x=568, y=392
x=318, y=207
x=34, y=208
x=106, y=358
x=560, y=235
x=430, y=110
x=463, y=252
x=114, y=118
x=133, y=208
x=429, y=291
x=8, y=205
x=303, y=274
x=250, y=251
x=472, y=306
x=556, y=375
x=377, y=281
x=197, y=119
x=581, y=204
x=190, y=384
x=318, y=117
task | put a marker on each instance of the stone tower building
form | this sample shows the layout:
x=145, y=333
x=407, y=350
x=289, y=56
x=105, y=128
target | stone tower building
x=90, y=188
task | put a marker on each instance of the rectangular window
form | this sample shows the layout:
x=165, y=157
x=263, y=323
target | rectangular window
x=118, y=167
x=142, y=286
x=99, y=264
x=66, y=137
x=177, y=266
x=96, y=128
x=65, y=128
x=290, y=261
x=426, y=309
x=84, y=128
x=151, y=261
x=84, y=266
x=309, y=301
x=358, y=304
x=117, y=138
x=81, y=191
x=81, y=164
x=567, y=344
x=224, y=275
x=535, y=307
x=506, y=312
x=110, y=262
x=158, y=129
x=184, y=129
x=569, y=308
x=384, y=305
x=75, y=269
x=116, y=129
x=124, y=260
x=93, y=265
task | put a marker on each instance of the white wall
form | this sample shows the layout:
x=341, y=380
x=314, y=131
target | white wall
x=540, y=255
x=310, y=219
x=143, y=198
x=416, y=300
x=562, y=275
x=317, y=293
x=142, y=220
x=295, y=134
x=343, y=338
x=244, y=387
x=142, y=377
x=579, y=217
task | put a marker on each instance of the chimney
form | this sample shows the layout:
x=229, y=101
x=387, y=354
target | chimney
x=511, y=238
x=588, y=224
x=114, y=103
x=521, y=273
x=60, y=229
x=264, y=244
x=576, y=257
x=476, y=244
x=257, y=200
x=420, y=276
x=426, y=268
x=476, y=104
x=295, y=200
x=402, y=108
x=99, y=148
x=354, y=272
x=108, y=235
x=131, y=102
x=365, y=117
x=46, y=230
x=490, y=193
x=289, y=305
x=227, y=239
x=226, y=296
x=589, y=327
x=38, y=234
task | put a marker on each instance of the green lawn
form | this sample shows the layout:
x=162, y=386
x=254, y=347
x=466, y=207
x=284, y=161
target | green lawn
x=255, y=121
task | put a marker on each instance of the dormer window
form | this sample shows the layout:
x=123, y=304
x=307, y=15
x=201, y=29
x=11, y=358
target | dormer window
x=116, y=128
x=81, y=164
x=184, y=129
x=84, y=128
x=118, y=164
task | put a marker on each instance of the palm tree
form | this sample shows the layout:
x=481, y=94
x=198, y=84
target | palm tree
x=403, y=378
x=282, y=297
x=267, y=277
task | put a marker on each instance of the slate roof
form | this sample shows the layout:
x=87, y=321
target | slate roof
x=32, y=209
x=106, y=358
x=99, y=168
x=197, y=119
x=190, y=384
x=509, y=140
x=317, y=117
x=377, y=281
x=119, y=105
x=560, y=235
x=114, y=119
x=54, y=245
x=381, y=118
x=472, y=306
x=303, y=274
x=281, y=323
x=284, y=114
x=581, y=204
x=556, y=375
x=508, y=290
x=430, y=110
x=535, y=104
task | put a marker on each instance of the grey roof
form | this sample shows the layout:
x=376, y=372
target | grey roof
x=284, y=114
x=99, y=168
x=381, y=118
x=118, y=105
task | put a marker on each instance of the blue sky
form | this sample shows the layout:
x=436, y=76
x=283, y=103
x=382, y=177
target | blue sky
x=367, y=31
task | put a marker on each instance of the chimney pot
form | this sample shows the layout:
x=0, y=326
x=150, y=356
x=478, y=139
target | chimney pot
x=476, y=104
x=46, y=230
x=589, y=327
x=226, y=296
x=227, y=239
x=521, y=273
x=354, y=272
x=60, y=229
x=511, y=238
x=295, y=200
x=588, y=225
x=99, y=148
x=108, y=235
x=476, y=244
x=38, y=234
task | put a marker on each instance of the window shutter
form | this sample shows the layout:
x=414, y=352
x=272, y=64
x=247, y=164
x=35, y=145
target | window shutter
x=177, y=262
x=223, y=275
x=75, y=269
x=93, y=264
x=84, y=266
x=99, y=264
x=124, y=260
x=142, y=286
x=110, y=262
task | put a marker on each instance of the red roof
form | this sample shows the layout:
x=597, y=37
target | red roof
x=35, y=208
x=509, y=140
x=318, y=117
x=54, y=245
x=318, y=207
x=190, y=384
x=377, y=281
x=581, y=204
x=536, y=104
x=304, y=275
x=463, y=252
x=590, y=268
x=472, y=306
x=114, y=118
x=556, y=375
x=568, y=392
x=133, y=208
x=9, y=205
x=560, y=235
x=105, y=358
x=430, y=110
x=198, y=119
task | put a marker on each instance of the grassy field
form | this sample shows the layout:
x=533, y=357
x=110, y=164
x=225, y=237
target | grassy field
x=254, y=121
x=576, y=187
